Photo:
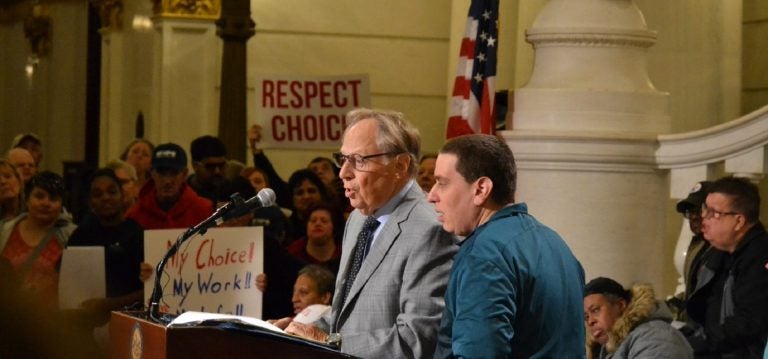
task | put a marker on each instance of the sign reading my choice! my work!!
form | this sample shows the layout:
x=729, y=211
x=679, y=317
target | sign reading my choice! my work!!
x=307, y=112
x=213, y=273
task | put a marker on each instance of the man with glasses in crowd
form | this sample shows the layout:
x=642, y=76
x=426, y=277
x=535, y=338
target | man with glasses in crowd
x=396, y=258
x=728, y=308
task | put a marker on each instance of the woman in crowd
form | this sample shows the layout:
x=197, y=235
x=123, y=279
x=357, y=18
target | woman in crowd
x=307, y=190
x=10, y=191
x=33, y=242
x=322, y=244
x=138, y=154
x=314, y=285
x=123, y=242
x=272, y=218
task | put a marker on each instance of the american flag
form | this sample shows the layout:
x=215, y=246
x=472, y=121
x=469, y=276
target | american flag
x=472, y=103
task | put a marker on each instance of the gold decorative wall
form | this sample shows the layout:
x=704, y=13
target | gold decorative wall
x=198, y=9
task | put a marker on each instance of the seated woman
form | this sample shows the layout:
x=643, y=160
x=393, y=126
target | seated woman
x=629, y=324
x=314, y=285
x=10, y=191
x=34, y=241
x=322, y=243
x=123, y=242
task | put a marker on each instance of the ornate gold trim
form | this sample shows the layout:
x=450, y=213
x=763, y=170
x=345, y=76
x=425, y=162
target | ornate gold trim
x=190, y=9
x=110, y=14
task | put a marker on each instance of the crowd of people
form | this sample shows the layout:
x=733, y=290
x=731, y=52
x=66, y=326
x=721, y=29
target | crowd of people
x=415, y=255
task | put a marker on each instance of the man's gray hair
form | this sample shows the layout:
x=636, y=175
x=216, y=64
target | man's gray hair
x=396, y=134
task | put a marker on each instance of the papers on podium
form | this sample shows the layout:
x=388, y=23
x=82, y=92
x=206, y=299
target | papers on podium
x=247, y=325
x=202, y=318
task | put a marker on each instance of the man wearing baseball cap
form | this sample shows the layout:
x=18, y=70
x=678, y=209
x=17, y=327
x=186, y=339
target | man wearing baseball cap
x=690, y=208
x=166, y=201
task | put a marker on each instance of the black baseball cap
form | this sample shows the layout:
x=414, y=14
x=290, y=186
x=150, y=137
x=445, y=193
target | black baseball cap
x=169, y=156
x=696, y=197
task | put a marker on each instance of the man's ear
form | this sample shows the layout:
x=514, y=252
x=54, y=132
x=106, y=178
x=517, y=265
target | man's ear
x=482, y=190
x=741, y=221
x=402, y=163
x=326, y=298
x=622, y=304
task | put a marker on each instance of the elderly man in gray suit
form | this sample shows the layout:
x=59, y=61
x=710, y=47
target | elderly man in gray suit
x=396, y=257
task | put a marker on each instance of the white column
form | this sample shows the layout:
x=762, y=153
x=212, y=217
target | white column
x=584, y=136
x=185, y=80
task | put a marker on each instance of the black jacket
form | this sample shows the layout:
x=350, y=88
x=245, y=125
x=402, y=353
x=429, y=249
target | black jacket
x=728, y=309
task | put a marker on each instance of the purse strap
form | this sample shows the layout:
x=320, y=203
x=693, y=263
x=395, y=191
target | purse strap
x=36, y=253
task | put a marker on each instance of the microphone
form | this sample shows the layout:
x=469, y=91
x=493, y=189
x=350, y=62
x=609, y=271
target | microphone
x=265, y=198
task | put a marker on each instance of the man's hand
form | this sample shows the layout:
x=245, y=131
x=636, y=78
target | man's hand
x=145, y=271
x=261, y=283
x=281, y=323
x=307, y=331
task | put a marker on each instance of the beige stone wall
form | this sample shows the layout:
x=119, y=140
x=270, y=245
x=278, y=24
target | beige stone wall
x=755, y=65
x=50, y=103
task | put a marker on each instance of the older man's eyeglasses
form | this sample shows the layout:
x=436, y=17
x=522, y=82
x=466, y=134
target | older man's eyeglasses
x=707, y=212
x=358, y=162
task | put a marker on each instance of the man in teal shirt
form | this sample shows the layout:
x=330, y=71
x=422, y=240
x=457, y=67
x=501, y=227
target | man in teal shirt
x=515, y=289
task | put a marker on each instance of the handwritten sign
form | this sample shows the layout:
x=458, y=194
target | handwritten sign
x=307, y=112
x=212, y=273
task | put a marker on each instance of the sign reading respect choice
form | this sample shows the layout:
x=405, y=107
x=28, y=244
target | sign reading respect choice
x=213, y=273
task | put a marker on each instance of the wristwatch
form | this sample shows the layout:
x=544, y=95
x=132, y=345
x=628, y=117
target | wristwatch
x=334, y=339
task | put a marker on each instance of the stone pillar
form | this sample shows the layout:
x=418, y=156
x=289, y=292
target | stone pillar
x=112, y=75
x=235, y=28
x=584, y=137
x=185, y=68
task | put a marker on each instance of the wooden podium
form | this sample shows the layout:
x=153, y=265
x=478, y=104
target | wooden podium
x=133, y=337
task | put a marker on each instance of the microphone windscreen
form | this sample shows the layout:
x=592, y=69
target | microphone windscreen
x=267, y=197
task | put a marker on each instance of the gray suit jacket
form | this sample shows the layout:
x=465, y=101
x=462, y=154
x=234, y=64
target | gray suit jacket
x=394, y=307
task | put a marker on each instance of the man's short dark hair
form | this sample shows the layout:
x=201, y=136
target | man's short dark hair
x=486, y=156
x=744, y=195
x=207, y=146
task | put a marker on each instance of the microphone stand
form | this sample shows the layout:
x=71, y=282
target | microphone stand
x=202, y=227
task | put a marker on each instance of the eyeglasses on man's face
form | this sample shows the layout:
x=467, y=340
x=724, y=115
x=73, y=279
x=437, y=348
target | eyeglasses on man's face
x=707, y=212
x=358, y=162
